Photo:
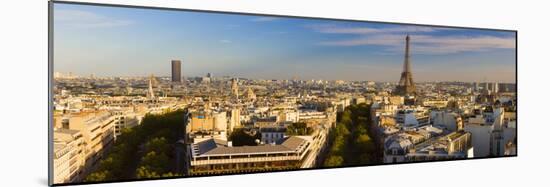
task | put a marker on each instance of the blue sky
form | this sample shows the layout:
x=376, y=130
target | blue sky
x=114, y=41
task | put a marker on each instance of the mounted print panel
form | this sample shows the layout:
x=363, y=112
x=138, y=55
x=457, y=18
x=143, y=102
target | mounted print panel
x=140, y=93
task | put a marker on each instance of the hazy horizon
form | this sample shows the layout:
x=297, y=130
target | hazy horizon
x=115, y=41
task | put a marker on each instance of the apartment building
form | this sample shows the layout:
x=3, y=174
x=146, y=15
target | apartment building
x=214, y=156
x=97, y=129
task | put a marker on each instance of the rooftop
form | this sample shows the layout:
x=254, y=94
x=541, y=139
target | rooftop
x=214, y=147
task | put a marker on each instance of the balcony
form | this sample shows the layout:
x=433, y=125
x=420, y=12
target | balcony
x=244, y=160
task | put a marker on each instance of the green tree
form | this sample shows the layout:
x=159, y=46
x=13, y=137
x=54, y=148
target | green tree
x=346, y=117
x=144, y=172
x=351, y=143
x=156, y=133
x=97, y=176
x=341, y=130
x=240, y=138
x=158, y=145
x=298, y=129
x=156, y=162
x=170, y=174
x=365, y=143
x=338, y=145
x=334, y=161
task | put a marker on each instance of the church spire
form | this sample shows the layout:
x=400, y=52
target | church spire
x=150, y=92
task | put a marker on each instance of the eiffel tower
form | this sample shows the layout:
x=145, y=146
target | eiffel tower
x=406, y=85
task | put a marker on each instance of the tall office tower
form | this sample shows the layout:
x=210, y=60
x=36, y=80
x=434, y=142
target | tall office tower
x=176, y=71
x=406, y=85
x=209, y=75
x=235, y=87
x=495, y=87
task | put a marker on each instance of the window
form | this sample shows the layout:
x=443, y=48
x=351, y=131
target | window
x=65, y=124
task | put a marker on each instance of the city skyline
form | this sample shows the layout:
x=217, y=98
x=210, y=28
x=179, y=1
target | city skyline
x=89, y=40
x=151, y=94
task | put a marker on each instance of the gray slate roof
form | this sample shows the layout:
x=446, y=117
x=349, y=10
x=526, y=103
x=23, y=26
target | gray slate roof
x=213, y=147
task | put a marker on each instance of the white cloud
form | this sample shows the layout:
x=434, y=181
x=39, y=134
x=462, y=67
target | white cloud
x=421, y=42
x=85, y=19
x=264, y=19
x=331, y=29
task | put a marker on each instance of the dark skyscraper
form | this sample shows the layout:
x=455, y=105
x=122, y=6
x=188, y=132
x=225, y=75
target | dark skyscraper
x=406, y=85
x=176, y=71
